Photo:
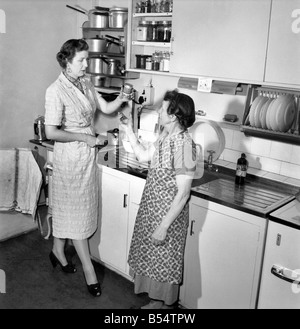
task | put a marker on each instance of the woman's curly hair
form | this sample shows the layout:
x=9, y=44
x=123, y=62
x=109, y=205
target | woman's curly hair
x=182, y=106
x=69, y=49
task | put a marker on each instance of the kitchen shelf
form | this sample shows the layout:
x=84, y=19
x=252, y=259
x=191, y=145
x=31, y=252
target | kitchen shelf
x=128, y=75
x=108, y=90
x=108, y=55
x=151, y=44
x=152, y=14
x=272, y=135
x=85, y=27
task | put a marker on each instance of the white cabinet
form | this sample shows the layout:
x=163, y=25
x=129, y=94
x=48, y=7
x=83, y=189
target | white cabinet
x=120, y=195
x=222, y=39
x=283, y=64
x=222, y=257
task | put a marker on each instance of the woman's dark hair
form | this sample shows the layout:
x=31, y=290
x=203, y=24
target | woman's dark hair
x=182, y=106
x=69, y=49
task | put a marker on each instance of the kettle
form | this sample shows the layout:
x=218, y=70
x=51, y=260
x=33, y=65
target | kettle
x=39, y=129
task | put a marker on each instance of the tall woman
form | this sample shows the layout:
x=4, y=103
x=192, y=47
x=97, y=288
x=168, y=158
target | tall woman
x=71, y=103
x=158, y=241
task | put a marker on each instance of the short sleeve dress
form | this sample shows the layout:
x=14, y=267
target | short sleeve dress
x=75, y=188
x=158, y=269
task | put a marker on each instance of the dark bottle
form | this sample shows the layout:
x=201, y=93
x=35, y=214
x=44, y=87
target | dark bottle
x=241, y=170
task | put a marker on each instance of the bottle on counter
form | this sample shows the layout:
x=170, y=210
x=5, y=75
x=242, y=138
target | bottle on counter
x=241, y=170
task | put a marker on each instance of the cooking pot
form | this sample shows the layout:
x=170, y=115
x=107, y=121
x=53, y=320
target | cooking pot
x=97, y=80
x=95, y=65
x=97, y=44
x=120, y=41
x=112, y=66
x=117, y=17
x=98, y=17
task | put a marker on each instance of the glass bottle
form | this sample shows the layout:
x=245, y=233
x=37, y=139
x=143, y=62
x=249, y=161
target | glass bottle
x=153, y=6
x=167, y=30
x=160, y=31
x=152, y=31
x=241, y=170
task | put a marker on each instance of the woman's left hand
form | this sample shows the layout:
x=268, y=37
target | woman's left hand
x=159, y=235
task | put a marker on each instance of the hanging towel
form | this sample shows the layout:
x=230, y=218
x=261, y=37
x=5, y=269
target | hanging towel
x=20, y=181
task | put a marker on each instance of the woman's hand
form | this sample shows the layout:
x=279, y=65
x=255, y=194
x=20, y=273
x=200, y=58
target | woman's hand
x=159, y=235
x=91, y=140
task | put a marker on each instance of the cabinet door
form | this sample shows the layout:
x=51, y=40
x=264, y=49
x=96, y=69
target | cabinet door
x=283, y=64
x=222, y=39
x=109, y=242
x=222, y=260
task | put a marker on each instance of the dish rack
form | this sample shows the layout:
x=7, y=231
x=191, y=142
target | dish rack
x=292, y=136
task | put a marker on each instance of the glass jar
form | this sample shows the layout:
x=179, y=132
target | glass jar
x=141, y=31
x=152, y=31
x=167, y=30
x=155, y=61
x=160, y=31
x=166, y=61
x=149, y=63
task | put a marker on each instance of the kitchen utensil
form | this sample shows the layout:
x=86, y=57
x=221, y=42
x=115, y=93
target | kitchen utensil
x=270, y=112
x=95, y=65
x=209, y=135
x=97, y=44
x=97, y=18
x=116, y=41
x=97, y=80
x=39, y=129
x=112, y=67
x=258, y=108
x=117, y=17
x=285, y=113
x=263, y=113
x=256, y=101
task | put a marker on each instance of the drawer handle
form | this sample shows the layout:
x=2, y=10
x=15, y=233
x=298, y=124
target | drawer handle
x=125, y=200
x=192, y=226
x=286, y=274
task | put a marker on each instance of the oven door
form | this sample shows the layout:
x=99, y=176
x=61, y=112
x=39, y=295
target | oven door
x=280, y=282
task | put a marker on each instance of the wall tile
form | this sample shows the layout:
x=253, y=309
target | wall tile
x=293, y=181
x=281, y=151
x=240, y=142
x=290, y=170
x=228, y=137
x=261, y=147
x=231, y=155
x=295, y=154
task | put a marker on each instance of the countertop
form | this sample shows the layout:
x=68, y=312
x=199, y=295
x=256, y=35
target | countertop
x=258, y=196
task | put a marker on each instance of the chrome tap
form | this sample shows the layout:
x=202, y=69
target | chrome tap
x=210, y=164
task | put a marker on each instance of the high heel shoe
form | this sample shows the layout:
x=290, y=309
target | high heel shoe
x=69, y=268
x=94, y=289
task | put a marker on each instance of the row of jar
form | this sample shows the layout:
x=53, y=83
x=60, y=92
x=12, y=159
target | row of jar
x=154, y=6
x=158, y=61
x=155, y=31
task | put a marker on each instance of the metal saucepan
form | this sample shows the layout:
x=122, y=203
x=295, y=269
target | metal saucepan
x=117, y=41
x=97, y=18
x=98, y=44
x=97, y=80
x=118, y=17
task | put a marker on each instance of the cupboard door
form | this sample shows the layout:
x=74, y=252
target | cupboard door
x=109, y=242
x=283, y=58
x=221, y=260
x=222, y=39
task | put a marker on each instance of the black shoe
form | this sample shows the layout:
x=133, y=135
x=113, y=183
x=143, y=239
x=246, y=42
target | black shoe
x=69, y=268
x=94, y=289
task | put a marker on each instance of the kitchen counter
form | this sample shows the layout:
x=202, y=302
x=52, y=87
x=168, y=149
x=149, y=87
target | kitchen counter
x=258, y=196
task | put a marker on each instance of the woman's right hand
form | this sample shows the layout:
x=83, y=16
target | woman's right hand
x=91, y=140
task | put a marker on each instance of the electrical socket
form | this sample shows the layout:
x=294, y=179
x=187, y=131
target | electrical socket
x=146, y=97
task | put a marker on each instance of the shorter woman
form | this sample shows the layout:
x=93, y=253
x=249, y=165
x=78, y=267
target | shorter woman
x=158, y=241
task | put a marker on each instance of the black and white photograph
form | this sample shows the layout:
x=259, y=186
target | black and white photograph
x=150, y=157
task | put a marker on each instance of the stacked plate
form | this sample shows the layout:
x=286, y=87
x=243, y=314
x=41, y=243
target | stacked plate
x=277, y=114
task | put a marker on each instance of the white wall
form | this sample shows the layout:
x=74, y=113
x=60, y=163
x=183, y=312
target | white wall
x=35, y=31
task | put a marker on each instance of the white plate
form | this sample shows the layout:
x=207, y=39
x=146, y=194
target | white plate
x=270, y=113
x=252, y=110
x=257, y=110
x=209, y=135
x=286, y=113
x=263, y=113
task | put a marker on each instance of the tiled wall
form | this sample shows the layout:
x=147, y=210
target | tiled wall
x=266, y=157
